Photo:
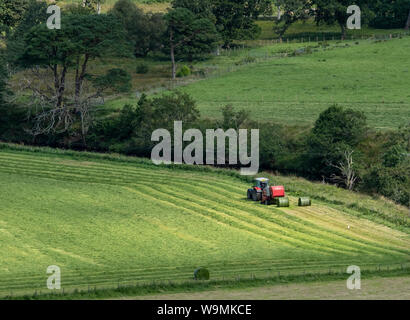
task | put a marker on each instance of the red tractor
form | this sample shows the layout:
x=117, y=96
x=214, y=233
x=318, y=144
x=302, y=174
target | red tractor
x=267, y=195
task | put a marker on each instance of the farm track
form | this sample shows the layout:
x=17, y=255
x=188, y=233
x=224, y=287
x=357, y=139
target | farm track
x=318, y=229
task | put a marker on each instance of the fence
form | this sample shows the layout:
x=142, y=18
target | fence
x=212, y=71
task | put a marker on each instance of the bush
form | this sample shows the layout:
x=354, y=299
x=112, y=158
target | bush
x=185, y=71
x=142, y=68
x=246, y=60
x=201, y=274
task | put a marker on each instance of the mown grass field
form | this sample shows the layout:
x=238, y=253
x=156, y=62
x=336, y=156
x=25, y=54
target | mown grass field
x=109, y=219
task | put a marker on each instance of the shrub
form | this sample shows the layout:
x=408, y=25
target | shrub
x=185, y=71
x=142, y=68
x=201, y=274
x=246, y=60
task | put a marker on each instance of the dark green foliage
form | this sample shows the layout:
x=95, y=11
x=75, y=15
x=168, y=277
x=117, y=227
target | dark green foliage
x=201, y=274
x=130, y=132
x=142, y=68
x=389, y=14
x=189, y=35
x=335, y=11
x=390, y=176
x=11, y=116
x=93, y=36
x=118, y=80
x=336, y=131
x=235, y=19
x=201, y=8
x=35, y=13
x=144, y=30
x=293, y=11
x=394, y=156
x=12, y=11
x=184, y=71
x=234, y=119
x=393, y=183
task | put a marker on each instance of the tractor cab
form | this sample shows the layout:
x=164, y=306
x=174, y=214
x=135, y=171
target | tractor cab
x=261, y=183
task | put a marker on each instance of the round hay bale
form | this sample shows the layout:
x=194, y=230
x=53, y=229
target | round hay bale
x=201, y=274
x=283, y=202
x=304, y=202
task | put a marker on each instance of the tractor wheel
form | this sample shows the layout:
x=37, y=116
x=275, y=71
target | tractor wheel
x=249, y=195
x=254, y=196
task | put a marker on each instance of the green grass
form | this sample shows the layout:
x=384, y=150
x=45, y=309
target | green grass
x=310, y=28
x=107, y=219
x=370, y=76
x=148, y=5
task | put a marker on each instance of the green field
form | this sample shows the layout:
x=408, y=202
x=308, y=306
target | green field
x=154, y=6
x=373, y=77
x=106, y=220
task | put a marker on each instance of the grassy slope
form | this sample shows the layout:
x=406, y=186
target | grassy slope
x=372, y=77
x=310, y=28
x=369, y=76
x=104, y=221
x=372, y=289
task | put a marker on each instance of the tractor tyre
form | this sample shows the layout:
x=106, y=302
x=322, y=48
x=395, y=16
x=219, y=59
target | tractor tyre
x=249, y=195
x=254, y=196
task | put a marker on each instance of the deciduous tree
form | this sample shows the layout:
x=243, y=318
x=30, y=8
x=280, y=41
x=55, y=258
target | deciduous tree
x=235, y=19
x=184, y=27
x=51, y=54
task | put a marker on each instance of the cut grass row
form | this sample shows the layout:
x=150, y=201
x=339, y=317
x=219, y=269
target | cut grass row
x=331, y=195
x=143, y=289
x=188, y=209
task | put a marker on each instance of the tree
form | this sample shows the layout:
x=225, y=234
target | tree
x=130, y=132
x=93, y=4
x=235, y=19
x=201, y=8
x=335, y=11
x=407, y=26
x=12, y=11
x=51, y=54
x=234, y=119
x=390, y=14
x=11, y=116
x=185, y=28
x=144, y=30
x=35, y=14
x=293, y=11
x=336, y=131
x=347, y=175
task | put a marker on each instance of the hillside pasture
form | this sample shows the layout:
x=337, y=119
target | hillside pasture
x=105, y=222
x=370, y=76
